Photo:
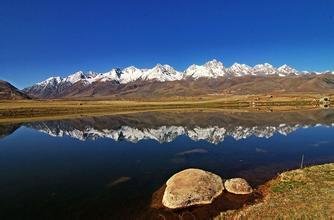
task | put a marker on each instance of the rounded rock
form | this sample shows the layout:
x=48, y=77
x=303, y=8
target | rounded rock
x=238, y=186
x=192, y=187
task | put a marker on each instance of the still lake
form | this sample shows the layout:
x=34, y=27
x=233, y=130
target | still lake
x=109, y=167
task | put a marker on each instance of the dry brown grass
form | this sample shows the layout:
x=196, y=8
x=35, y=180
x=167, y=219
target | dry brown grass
x=23, y=109
x=299, y=194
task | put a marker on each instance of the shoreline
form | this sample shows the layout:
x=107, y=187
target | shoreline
x=309, y=189
x=283, y=196
x=105, y=112
x=27, y=110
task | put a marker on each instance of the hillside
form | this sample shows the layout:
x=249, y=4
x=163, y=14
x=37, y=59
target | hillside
x=310, y=83
x=9, y=92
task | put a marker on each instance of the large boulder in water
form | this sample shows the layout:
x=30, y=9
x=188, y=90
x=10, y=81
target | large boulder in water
x=192, y=187
x=238, y=186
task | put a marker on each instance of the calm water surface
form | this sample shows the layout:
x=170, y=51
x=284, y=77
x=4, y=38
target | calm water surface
x=109, y=167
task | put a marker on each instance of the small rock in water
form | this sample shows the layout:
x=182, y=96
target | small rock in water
x=238, y=186
x=191, y=187
x=193, y=151
x=260, y=150
x=119, y=181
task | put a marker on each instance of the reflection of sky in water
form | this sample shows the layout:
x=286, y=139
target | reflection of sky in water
x=107, y=177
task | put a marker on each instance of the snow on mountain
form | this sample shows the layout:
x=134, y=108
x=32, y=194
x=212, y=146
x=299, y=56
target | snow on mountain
x=212, y=134
x=164, y=134
x=216, y=67
x=238, y=69
x=75, y=77
x=71, y=79
x=327, y=72
x=130, y=74
x=112, y=75
x=286, y=70
x=263, y=70
x=211, y=69
x=162, y=73
x=50, y=81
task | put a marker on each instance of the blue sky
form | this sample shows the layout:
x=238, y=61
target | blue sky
x=40, y=38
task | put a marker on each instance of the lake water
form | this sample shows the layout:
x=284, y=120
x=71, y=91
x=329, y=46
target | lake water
x=109, y=167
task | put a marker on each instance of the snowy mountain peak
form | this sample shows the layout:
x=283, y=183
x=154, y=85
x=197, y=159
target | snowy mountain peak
x=130, y=69
x=240, y=66
x=91, y=74
x=161, y=73
x=75, y=77
x=238, y=69
x=265, y=65
x=214, y=64
x=237, y=65
x=50, y=81
x=264, y=69
x=167, y=69
x=286, y=70
x=284, y=66
x=78, y=74
x=130, y=74
x=109, y=76
x=268, y=65
x=211, y=69
x=160, y=67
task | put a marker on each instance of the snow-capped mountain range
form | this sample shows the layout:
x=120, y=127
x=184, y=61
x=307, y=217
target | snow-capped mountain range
x=164, y=134
x=162, y=73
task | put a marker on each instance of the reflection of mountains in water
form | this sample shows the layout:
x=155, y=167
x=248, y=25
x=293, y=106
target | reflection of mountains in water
x=6, y=130
x=165, y=127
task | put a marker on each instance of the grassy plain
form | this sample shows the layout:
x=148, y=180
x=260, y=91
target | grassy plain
x=20, y=110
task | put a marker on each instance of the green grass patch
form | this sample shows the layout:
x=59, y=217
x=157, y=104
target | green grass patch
x=298, y=194
x=287, y=186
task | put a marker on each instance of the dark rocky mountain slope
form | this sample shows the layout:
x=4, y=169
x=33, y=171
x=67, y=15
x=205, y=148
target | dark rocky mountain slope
x=9, y=92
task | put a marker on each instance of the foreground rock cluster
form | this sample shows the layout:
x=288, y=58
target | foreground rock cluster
x=192, y=187
x=198, y=187
x=238, y=186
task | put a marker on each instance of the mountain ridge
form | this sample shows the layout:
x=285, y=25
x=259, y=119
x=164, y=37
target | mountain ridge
x=211, y=69
x=245, y=85
x=132, y=80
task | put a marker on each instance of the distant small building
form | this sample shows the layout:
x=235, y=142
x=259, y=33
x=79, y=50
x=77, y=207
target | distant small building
x=325, y=106
x=325, y=99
